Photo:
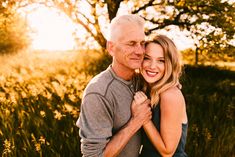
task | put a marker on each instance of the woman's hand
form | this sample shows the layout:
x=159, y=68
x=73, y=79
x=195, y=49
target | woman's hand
x=140, y=108
x=139, y=97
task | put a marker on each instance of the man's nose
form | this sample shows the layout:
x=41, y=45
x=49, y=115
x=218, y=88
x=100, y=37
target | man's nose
x=139, y=49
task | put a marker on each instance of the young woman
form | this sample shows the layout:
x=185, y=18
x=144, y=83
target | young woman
x=165, y=134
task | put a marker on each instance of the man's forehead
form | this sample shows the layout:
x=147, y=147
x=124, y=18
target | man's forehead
x=136, y=35
x=136, y=39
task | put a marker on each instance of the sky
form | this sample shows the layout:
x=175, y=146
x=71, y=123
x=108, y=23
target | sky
x=51, y=30
x=54, y=31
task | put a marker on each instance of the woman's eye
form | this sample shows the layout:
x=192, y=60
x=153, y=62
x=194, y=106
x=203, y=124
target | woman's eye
x=162, y=61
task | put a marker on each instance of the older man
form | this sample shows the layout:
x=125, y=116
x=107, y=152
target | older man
x=107, y=127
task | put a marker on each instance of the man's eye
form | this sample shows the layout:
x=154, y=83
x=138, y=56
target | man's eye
x=142, y=44
x=131, y=44
x=146, y=58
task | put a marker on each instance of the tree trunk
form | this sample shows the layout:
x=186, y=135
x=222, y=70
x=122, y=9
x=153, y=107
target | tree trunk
x=196, y=56
x=113, y=6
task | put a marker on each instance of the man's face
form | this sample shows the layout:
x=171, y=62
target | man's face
x=128, y=50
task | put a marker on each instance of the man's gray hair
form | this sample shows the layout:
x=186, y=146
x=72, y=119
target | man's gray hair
x=130, y=19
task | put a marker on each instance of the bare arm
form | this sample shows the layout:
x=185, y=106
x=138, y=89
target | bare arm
x=172, y=105
x=141, y=113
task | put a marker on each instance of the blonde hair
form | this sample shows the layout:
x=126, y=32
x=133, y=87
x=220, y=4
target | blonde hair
x=173, y=68
x=121, y=21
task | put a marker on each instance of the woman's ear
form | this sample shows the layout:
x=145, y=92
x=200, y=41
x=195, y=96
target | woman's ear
x=109, y=46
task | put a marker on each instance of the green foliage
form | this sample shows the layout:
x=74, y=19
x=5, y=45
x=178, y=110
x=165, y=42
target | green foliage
x=209, y=94
x=13, y=31
x=40, y=96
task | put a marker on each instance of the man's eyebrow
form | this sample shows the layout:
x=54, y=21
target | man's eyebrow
x=132, y=41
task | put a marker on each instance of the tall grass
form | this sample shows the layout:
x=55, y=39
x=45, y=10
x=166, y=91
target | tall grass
x=40, y=96
x=39, y=105
x=210, y=98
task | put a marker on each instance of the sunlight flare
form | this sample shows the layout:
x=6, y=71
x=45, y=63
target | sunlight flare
x=51, y=30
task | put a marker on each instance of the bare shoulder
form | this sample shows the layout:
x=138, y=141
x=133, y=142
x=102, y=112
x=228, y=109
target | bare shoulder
x=172, y=96
x=172, y=92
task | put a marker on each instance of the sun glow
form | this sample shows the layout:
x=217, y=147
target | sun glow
x=51, y=30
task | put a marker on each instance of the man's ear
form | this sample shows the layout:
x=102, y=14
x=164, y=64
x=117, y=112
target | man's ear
x=109, y=46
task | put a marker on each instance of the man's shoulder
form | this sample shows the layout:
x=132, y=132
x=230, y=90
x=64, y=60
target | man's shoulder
x=99, y=83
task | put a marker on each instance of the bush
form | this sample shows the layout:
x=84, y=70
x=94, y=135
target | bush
x=13, y=32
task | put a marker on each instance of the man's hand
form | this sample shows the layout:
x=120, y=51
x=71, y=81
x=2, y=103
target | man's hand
x=141, y=110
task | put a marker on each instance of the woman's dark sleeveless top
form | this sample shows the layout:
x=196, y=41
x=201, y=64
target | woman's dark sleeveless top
x=149, y=150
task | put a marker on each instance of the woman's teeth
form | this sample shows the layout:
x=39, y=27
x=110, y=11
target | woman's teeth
x=150, y=73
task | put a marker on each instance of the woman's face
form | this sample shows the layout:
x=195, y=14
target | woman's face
x=153, y=66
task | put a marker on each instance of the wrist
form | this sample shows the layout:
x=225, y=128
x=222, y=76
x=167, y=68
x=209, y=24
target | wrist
x=134, y=124
x=147, y=124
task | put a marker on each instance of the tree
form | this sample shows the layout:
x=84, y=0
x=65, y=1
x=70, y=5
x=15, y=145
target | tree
x=13, y=30
x=188, y=15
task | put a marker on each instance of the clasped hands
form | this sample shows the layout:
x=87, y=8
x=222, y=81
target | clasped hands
x=141, y=108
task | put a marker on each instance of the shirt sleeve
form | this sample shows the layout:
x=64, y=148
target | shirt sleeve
x=95, y=123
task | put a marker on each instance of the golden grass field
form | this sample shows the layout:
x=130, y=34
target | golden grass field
x=40, y=97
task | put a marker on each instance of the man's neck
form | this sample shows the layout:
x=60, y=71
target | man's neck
x=123, y=73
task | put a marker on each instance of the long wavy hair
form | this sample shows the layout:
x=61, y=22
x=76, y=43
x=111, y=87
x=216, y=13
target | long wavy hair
x=173, y=68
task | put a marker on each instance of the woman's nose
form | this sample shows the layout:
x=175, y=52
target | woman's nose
x=153, y=65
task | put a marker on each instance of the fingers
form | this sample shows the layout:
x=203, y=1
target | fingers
x=142, y=111
x=141, y=108
x=148, y=117
x=140, y=97
x=147, y=102
x=147, y=114
x=140, y=94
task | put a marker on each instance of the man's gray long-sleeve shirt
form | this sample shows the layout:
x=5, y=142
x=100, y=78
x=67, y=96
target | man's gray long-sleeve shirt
x=105, y=109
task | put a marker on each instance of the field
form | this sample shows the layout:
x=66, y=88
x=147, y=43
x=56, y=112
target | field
x=40, y=96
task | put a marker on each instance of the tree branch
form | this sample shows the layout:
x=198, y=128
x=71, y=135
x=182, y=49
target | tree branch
x=150, y=3
x=88, y=20
x=84, y=25
x=91, y=4
x=168, y=22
